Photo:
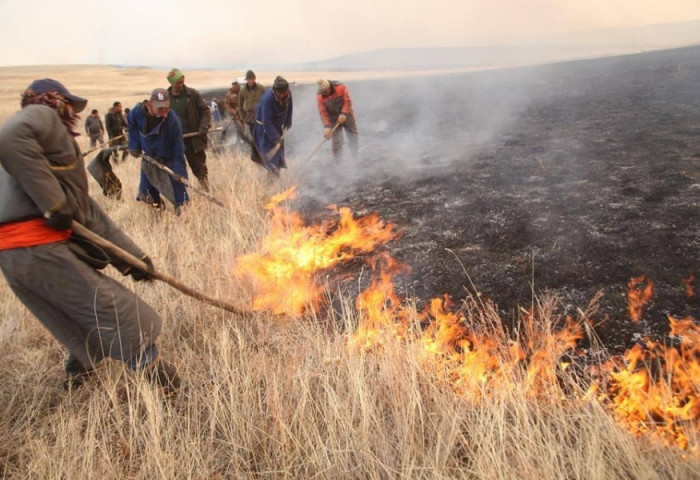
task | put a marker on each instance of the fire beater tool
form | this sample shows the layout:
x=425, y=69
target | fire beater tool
x=325, y=139
x=128, y=258
x=103, y=145
x=182, y=180
x=194, y=134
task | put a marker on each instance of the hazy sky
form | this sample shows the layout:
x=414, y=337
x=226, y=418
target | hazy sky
x=230, y=33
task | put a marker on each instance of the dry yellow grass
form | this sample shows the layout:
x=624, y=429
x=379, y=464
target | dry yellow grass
x=264, y=398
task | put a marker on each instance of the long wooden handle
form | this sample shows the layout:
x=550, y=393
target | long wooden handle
x=209, y=132
x=103, y=145
x=325, y=139
x=134, y=262
x=183, y=180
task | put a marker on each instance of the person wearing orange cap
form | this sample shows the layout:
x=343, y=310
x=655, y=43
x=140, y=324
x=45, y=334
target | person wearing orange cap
x=335, y=108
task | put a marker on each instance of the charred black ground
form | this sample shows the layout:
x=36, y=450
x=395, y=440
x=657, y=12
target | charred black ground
x=578, y=175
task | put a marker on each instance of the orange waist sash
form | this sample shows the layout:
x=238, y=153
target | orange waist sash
x=29, y=233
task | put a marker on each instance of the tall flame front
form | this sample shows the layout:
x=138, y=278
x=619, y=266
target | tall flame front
x=651, y=390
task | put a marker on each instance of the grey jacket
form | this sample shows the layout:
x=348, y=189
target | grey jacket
x=42, y=171
x=93, y=125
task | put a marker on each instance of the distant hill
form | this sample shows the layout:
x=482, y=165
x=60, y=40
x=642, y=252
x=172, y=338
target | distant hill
x=575, y=45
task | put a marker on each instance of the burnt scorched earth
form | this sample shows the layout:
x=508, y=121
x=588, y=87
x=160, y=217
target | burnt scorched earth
x=575, y=176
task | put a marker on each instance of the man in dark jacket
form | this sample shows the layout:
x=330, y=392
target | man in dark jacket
x=43, y=188
x=273, y=117
x=156, y=132
x=195, y=117
x=115, y=123
x=335, y=108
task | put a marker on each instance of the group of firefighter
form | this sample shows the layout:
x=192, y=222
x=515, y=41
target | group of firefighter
x=55, y=270
x=257, y=117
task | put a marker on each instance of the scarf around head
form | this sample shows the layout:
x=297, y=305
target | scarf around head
x=174, y=75
x=60, y=105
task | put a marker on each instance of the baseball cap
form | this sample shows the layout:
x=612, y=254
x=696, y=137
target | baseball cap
x=50, y=85
x=160, y=98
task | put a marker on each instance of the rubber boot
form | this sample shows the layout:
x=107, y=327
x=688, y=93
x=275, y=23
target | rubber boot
x=164, y=375
x=76, y=373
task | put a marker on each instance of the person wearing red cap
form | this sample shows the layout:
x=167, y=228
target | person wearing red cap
x=54, y=272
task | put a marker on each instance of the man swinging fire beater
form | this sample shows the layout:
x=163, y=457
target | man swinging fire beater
x=335, y=108
x=43, y=189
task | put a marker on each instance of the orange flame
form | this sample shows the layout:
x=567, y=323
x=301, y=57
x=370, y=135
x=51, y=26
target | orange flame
x=640, y=292
x=651, y=390
x=688, y=284
x=381, y=311
x=283, y=272
x=656, y=390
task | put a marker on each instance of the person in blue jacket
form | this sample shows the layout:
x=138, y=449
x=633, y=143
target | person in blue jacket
x=156, y=133
x=273, y=117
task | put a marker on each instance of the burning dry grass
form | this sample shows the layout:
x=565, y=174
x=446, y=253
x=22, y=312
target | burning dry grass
x=370, y=388
x=360, y=394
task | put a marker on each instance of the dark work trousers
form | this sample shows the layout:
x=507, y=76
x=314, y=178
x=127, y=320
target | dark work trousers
x=91, y=314
x=351, y=132
x=198, y=163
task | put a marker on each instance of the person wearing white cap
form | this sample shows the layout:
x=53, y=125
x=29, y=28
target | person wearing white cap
x=156, y=131
x=335, y=108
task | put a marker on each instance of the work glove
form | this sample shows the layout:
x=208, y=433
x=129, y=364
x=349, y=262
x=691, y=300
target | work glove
x=135, y=153
x=58, y=220
x=342, y=119
x=327, y=132
x=140, y=275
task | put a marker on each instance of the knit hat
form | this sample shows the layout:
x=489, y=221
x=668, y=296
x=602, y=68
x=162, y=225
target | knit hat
x=323, y=85
x=280, y=84
x=249, y=74
x=175, y=75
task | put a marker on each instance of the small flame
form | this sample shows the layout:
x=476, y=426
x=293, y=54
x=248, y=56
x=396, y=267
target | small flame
x=656, y=389
x=688, y=284
x=382, y=312
x=641, y=289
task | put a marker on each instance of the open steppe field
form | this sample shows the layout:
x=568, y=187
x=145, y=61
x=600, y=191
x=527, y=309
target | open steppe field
x=531, y=196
